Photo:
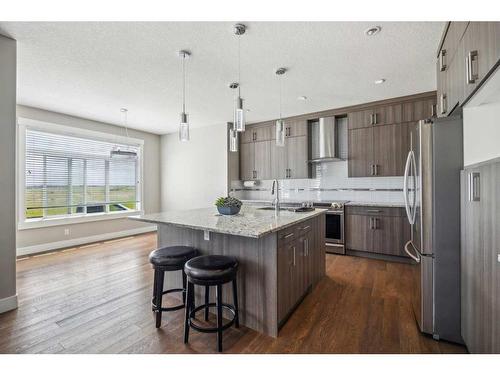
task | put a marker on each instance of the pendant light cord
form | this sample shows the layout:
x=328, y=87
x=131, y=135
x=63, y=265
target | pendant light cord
x=239, y=65
x=280, y=94
x=183, y=84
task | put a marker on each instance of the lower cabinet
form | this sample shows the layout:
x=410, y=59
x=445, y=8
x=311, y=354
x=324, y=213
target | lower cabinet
x=480, y=258
x=301, y=263
x=379, y=230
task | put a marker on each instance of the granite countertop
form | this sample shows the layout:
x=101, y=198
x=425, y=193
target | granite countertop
x=250, y=222
x=377, y=204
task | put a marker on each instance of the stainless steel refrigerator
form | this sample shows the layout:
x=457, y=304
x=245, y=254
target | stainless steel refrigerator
x=432, y=200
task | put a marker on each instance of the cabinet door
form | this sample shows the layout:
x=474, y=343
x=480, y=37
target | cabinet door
x=278, y=161
x=390, y=149
x=262, y=160
x=419, y=109
x=360, y=119
x=247, y=163
x=295, y=128
x=285, y=287
x=264, y=133
x=296, y=153
x=358, y=233
x=248, y=135
x=360, y=152
x=388, y=114
x=389, y=235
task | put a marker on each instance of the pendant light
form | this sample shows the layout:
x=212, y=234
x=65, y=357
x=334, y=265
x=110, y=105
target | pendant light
x=184, y=122
x=239, y=113
x=233, y=133
x=280, y=124
x=116, y=151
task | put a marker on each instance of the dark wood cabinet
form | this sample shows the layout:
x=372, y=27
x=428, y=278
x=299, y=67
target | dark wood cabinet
x=301, y=254
x=479, y=258
x=255, y=161
x=380, y=230
x=360, y=152
x=468, y=53
x=360, y=119
x=390, y=149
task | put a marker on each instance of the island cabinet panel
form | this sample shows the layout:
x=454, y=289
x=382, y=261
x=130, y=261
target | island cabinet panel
x=379, y=230
x=301, y=263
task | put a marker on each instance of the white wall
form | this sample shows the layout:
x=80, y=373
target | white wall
x=43, y=238
x=481, y=133
x=194, y=173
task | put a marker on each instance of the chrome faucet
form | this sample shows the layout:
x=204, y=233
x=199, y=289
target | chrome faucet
x=276, y=190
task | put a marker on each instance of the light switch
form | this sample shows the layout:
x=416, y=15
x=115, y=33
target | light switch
x=206, y=235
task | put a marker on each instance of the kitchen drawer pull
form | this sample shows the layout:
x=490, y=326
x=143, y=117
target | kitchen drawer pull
x=376, y=169
x=294, y=256
x=443, y=104
x=371, y=223
x=442, y=64
x=375, y=118
x=289, y=235
x=306, y=247
x=306, y=227
x=471, y=77
x=373, y=210
x=433, y=110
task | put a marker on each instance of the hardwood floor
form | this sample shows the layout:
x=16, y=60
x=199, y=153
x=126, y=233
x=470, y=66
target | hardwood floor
x=96, y=299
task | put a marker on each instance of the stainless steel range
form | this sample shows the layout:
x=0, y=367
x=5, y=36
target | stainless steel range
x=334, y=231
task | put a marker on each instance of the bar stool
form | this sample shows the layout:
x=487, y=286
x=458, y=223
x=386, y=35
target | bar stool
x=166, y=259
x=211, y=270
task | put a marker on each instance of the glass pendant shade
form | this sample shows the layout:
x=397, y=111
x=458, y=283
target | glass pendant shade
x=280, y=133
x=239, y=115
x=184, y=128
x=233, y=140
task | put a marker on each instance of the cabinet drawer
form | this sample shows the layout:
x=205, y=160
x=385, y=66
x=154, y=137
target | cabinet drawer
x=303, y=228
x=287, y=235
x=375, y=211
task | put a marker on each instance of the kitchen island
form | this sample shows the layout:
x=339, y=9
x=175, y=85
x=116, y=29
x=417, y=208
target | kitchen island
x=281, y=256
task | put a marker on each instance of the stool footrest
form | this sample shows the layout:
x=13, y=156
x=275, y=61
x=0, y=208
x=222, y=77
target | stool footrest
x=196, y=327
x=172, y=308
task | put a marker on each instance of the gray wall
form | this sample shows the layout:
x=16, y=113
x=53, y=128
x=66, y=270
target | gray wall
x=7, y=167
x=151, y=183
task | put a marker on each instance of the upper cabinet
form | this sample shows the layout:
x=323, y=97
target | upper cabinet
x=261, y=159
x=468, y=53
x=378, y=136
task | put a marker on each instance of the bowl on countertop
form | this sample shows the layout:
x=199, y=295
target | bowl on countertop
x=233, y=210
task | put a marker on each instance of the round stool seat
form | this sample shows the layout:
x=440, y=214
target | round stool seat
x=211, y=269
x=172, y=257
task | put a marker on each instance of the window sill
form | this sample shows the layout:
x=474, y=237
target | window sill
x=52, y=222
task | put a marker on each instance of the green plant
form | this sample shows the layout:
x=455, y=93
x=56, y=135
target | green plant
x=228, y=202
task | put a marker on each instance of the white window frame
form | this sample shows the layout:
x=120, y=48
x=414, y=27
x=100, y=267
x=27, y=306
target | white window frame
x=26, y=123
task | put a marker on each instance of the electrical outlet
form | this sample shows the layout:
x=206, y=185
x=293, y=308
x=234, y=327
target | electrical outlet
x=66, y=231
x=206, y=235
x=498, y=258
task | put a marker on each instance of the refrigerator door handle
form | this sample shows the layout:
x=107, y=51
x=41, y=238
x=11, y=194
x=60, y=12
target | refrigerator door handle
x=416, y=256
x=405, y=188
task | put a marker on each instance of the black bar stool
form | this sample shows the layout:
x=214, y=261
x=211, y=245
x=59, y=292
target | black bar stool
x=166, y=259
x=211, y=270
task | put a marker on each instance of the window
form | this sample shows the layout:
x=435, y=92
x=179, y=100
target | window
x=68, y=173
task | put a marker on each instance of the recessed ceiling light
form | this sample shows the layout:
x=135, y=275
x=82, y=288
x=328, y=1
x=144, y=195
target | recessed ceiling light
x=373, y=30
x=379, y=81
x=303, y=97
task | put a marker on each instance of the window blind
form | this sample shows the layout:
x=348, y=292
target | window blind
x=70, y=175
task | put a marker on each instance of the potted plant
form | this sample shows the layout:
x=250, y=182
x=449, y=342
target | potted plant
x=228, y=205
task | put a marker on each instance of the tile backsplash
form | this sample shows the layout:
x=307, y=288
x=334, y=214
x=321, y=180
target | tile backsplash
x=331, y=183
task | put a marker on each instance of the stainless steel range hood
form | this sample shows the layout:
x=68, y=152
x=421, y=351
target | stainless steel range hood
x=328, y=140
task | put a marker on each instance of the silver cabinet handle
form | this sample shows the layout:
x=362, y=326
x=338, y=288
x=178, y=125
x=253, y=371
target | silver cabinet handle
x=372, y=169
x=433, y=110
x=306, y=227
x=371, y=119
x=376, y=220
x=306, y=247
x=289, y=235
x=443, y=104
x=474, y=186
x=469, y=68
x=294, y=256
x=376, y=211
x=376, y=169
x=375, y=118
x=442, y=62
x=371, y=223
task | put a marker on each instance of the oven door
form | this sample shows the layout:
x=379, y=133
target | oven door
x=334, y=233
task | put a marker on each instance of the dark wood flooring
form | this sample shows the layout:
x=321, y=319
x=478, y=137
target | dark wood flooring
x=96, y=299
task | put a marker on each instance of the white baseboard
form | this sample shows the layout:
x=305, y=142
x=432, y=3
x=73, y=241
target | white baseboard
x=8, y=303
x=81, y=241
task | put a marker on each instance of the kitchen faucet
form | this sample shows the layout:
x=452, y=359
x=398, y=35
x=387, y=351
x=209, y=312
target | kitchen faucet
x=276, y=189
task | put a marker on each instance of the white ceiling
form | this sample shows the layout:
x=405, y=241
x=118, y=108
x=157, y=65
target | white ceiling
x=93, y=69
